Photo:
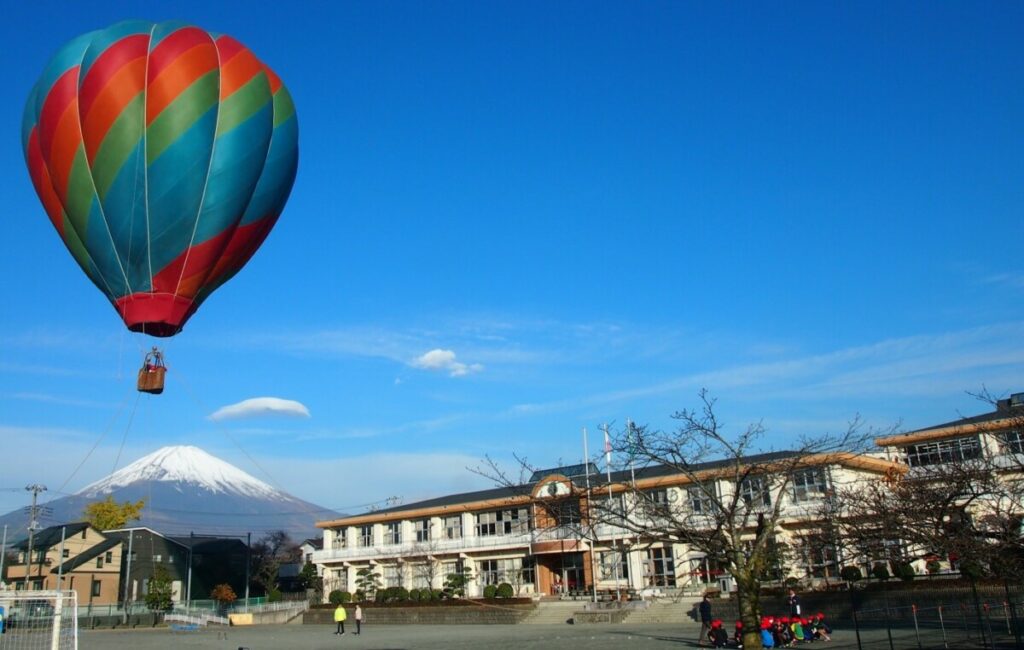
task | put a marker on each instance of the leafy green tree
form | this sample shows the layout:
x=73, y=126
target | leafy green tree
x=159, y=591
x=368, y=582
x=109, y=514
x=455, y=584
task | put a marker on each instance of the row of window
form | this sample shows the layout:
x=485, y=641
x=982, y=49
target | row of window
x=960, y=449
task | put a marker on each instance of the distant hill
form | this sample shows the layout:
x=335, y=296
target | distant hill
x=188, y=490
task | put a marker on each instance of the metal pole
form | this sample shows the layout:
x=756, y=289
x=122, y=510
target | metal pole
x=1013, y=614
x=977, y=610
x=248, y=560
x=60, y=565
x=856, y=628
x=615, y=545
x=128, y=575
x=590, y=521
x=188, y=587
x=942, y=624
x=917, y=630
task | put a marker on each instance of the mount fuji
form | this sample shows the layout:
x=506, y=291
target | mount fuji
x=188, y=490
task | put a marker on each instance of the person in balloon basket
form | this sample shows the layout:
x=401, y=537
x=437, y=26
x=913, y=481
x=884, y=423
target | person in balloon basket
x=339, y=617
x=359, y=619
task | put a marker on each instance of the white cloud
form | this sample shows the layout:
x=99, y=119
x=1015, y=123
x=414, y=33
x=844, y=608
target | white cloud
x=260, y=406
x=444, y=360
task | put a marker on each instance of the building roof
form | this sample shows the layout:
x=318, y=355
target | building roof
x=86, y=556
x=515, y=494
x=1008, y=413
x=51, y=536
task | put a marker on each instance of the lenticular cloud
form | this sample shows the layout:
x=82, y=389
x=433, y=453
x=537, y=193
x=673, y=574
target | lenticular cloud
x=261, y=406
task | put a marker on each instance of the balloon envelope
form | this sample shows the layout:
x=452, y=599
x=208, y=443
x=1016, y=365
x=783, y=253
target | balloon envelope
x=163, y=155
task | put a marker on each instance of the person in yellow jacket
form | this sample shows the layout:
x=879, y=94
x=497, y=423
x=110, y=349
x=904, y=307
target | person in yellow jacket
x=339, y=617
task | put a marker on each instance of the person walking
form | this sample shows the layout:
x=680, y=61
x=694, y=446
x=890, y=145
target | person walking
x=339, y=617
x=705, y=620
x=359, y=619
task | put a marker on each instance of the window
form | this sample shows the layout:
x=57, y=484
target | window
x=661, y=568
x=943, y=451
x=393, y=533
x=340, y=538
x=699, y=499
x=84, y=531
x=754, y=492
x=656, y=502
x=99, y=562
x=96, y=586
x=820, y=557
x=489, y=573
x=308, y=558
x=66, y=553
x=566, y=513
x=1013, y=441
x=706, y=570
x=453, y=527
x=170, y=559
x=614, y=565
x=157, y=558
x=422, y=528
x=809, y=484
x=366, y=535
x=392, y=575
x=110, y=556
x=503, y=522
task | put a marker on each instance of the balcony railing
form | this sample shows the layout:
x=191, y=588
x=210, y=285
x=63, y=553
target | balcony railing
x=433, y=547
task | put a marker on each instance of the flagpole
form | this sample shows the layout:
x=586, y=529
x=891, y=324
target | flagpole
x=632, y=477
x=590, y=523
x=615, y=545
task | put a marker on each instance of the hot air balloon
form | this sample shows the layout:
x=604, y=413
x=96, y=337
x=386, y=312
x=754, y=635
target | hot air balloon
x=163, y=154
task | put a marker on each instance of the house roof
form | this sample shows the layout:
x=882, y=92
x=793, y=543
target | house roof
x=51, y=536
x=1006, y=415
x=86, y=556
x=650, y=475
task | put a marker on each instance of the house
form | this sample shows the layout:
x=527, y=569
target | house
x=71, y=556
x=530, y=535
x=212, y=560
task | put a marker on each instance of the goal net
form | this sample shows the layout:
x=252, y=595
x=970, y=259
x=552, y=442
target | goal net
x=39, y=620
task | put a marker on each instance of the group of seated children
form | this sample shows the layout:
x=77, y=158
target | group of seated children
x=776, y=632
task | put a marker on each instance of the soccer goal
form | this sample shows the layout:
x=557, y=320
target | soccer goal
x=39, y=620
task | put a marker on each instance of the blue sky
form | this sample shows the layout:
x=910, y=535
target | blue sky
x=592, y=210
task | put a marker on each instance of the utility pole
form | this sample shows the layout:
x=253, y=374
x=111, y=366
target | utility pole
x=188, y=588
x=128, y=574
x=3, y=552
x=60, y=561
x=248, y=563
x=33, y=526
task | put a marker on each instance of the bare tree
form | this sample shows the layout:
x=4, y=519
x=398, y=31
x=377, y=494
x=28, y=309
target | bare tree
x=733, y=493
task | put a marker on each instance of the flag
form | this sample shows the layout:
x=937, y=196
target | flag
x=607, y=448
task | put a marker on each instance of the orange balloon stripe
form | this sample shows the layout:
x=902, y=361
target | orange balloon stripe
x=67, y=140
x=108, y=65
x=122, y=88
x=275, y=81
x=173, y=46
x=237, y=72
x=178, y=76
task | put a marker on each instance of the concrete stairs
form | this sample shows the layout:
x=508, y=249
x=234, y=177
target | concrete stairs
x=664, y=611
x=552, y=613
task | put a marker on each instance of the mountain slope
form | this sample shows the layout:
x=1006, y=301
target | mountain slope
x=188, y=490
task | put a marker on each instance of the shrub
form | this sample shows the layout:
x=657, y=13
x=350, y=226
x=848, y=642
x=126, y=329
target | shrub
x=335, y=597
x=791, y=582
x=880, y=571
x=933, y=566
x=346, y=597
x=426, y=595
x=905, y=571
x=400, y=594
x=505, y=590
x=274, y=595
x=414, y=594
x=360, y=595
x=490, y=591
x=851, y=573
x=436, y=594
x=382, y=595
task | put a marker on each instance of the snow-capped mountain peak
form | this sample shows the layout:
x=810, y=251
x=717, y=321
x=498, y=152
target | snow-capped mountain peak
x=185, y=464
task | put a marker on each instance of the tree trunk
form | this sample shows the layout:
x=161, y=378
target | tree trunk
x=748, y=598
